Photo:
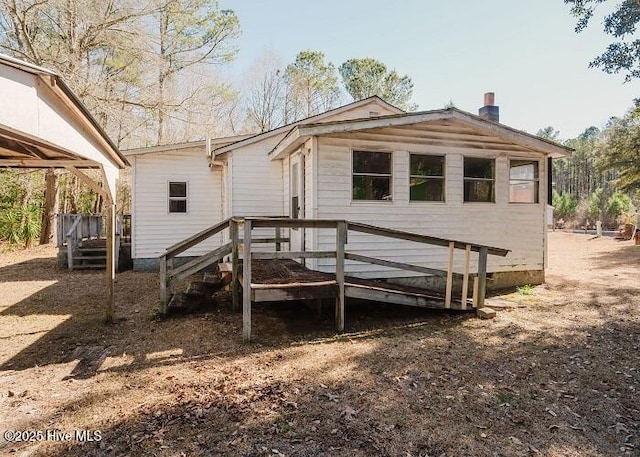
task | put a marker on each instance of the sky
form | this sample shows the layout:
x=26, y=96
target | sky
x=525, y=51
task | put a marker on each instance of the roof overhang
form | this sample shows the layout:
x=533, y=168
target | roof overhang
x=44, y=125
x=169, y=148
x=474, y=130
x=313, y=119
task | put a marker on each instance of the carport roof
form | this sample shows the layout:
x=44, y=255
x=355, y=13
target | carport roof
x=41, y=121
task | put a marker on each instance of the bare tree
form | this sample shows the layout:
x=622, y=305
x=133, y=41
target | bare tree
x=188, y=33
x=265, y=94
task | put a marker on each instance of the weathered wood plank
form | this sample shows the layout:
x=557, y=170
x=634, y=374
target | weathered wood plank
x=292, y=285
x=294, y=223
x=246, y=282
x=235, y=265
x=396, y=297
x=475, y=292
x=182, y=246
x=341, y=241
x=465, y=277
x=267, y=240
x=293, y=255
x=295, y=293
x=398, y=234
x=447, y=300
x=278, y=238
x=482, y=277
x=392, y=264
x=111, y=261
x=199, y=263
x=164, y=297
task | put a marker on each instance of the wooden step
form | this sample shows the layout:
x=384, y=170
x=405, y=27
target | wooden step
x=94, y=266
x=81, y=249
x=89, y=257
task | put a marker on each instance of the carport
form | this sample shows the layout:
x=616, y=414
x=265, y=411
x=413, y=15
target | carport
x=43, y=124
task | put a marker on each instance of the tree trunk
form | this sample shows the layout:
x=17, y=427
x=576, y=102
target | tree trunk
x=49, y=229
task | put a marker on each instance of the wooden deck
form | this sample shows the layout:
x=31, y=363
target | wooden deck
x=259, y=276
x=286, y=279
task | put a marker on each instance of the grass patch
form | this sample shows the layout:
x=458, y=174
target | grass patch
x=526, y=289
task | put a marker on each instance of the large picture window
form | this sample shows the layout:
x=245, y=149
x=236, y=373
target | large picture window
x=177, y=197
x=426, y=178
x=371, y=175
x=523, y=181
x=479, y=180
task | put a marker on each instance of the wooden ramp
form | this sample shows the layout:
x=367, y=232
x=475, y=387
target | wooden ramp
x=267, y=275
x=286, y=279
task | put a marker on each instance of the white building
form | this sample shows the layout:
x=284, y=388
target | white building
x=445, y=173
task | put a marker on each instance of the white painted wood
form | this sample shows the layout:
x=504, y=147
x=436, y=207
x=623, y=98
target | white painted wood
x=154, y=228
x=517, y=227
x=521, y=140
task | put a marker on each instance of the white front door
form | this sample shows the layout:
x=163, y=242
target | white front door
x=296, y=199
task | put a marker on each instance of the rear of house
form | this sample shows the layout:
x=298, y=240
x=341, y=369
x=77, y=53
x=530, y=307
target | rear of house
x=443, y=173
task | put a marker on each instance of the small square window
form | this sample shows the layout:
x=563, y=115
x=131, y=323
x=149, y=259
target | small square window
x=177, y=197
x=371, y=175
x=426, y=178
x=479, y=180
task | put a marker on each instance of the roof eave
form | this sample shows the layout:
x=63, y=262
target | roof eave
x=300, y=133
x=263, y=135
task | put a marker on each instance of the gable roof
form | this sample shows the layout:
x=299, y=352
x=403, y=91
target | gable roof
x=315, y=118
x=483, y=129
x=168, y=148
x=56, y=84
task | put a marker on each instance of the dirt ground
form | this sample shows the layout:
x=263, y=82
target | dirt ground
x=559, y=376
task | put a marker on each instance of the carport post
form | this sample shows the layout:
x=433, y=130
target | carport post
x=111, y=256
x=110, y=201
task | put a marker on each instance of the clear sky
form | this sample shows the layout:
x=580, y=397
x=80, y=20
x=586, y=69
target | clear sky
x=526, y=51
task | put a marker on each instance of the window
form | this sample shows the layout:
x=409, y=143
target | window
x=177, y=197
x=479, y=180
x=523, y=181
x=426, y=178
x=371, y=175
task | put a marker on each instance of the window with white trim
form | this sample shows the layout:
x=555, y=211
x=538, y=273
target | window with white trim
x=426, y=178
x=479, y=180
x=523, y=181
x=371, y=175
x=177, y=197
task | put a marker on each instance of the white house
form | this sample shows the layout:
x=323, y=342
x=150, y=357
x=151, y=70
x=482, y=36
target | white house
x=445, y=173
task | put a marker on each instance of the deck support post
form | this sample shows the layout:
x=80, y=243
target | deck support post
x=164, y=296
x=341, y=241
x=246, y=282
x=278, y=238
x=318, y=303
x=447, y=299
x=235, y=265
x=465, y=276
x=482, y=276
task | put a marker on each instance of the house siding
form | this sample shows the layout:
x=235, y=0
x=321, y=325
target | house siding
x=518, y=227
x=153, y=227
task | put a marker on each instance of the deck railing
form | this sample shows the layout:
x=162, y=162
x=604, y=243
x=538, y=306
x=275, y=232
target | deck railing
x=73, y=229
x=342, y=227
x=91, y=226
x=241, y=280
